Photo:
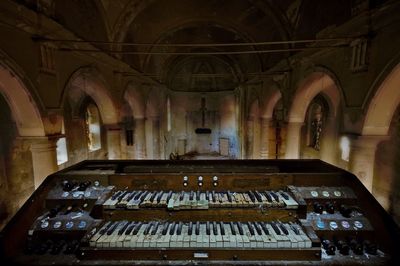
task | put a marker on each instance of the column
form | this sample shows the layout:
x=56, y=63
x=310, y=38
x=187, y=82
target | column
x=140, y=138
x=264, y=142
x=44, y=158
x=293, y=140
x=362, y=158
x=155, y=121
x=113, y=141
x=249, y=138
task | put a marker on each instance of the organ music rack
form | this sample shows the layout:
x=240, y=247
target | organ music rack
x=210, y=212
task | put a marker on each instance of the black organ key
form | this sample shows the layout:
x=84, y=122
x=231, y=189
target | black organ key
x=179, y=229
x=172, y=229
x=222, y=228
x=153, y=196
x=169, y=195
x=147, y=229
x=283, y=229
x=116, y=195
x=159, y=196
x=112, y=228
x=137, y=228
x=105, y=228
x=191, y=195
x=131, y=196
x=295, y=229
x=251, y=196
x=251, y=229
x=138, y=194
x=143, y=196
x=130, y=228
x=257, y=227
x=240, y=228
x=190, y=230
x=165, y=228
x=284, y=195
x=181, y=195
x=229, y=195
x=215, y=229
x=231, y=225
x=207, y=195
x=264, y=228
x=197, y=228
x=275, y=196
x=214, y=199
x=208, y=228
x=153, y=232
x=258, y=196
x=198, y=195
x=268, y=196
x=275, y=228
x=122, y=230
x=120, y=197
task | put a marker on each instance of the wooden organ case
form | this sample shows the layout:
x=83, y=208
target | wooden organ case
x=264, y=212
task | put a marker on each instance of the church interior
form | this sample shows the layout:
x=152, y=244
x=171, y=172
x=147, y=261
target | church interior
x=199, y=80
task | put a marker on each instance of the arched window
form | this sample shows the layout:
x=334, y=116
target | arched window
x=92, y=119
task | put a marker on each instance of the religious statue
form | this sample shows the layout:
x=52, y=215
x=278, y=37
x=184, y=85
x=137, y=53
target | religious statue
x=316, y=129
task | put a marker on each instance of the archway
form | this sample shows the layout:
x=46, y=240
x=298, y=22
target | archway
x=314, y=84
x=379, y=143
x=22, y=143
x=86, y=84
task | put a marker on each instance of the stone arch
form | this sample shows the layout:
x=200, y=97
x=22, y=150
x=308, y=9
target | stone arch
x=317, y=83
x=89, y=81
x=270, y=103
x=134, y=97
x=25, y=111
x=383, y=105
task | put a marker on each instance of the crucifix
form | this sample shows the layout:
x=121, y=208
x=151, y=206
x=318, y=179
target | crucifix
x=203, y=109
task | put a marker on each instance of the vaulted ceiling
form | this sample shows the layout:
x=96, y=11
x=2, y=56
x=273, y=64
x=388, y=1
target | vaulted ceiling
x=158, y=23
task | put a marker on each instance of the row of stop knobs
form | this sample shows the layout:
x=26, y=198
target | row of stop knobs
x=330, y=208
x=358, y=247
x=200, y=181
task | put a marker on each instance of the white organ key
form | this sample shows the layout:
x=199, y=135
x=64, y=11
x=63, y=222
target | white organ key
x=173, y=239
x=193, y=237
x=213, y=241
x=128, y=235
x=93, y=239
x=257, y=234
x=167, y=237
x=112, y=201
x=114, y=236
x=294, y=237
x=276, y=236
x=306, y=239
x=134, y=202
x=288, y=200
x=218, y=237
x=252, y=238
x=226, y=237
x=186, y=237
x=179, y=235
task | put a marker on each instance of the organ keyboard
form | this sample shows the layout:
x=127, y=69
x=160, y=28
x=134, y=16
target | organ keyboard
x=189, y=212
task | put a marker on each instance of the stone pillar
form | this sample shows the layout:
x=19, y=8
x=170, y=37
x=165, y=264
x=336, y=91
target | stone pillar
x=249, y=137
x=114, y=142
x=44, y=158
x=264, y=142
x=140, y=138
x=293, y=140
x=362, y=158
x=155, y=121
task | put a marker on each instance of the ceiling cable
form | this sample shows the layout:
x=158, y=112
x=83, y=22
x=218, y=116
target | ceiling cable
x=202, y=53
x=344, y=39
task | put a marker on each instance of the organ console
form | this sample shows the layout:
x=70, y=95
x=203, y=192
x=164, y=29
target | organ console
x=264, y=212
